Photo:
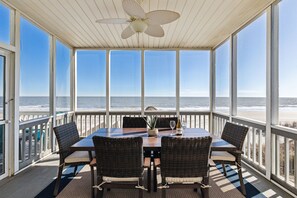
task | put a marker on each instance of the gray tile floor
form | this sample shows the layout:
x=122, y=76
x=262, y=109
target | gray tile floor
x=32, y=180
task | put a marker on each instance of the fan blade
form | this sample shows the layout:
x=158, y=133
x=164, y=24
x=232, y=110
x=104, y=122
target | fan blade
x=160, y=17
x=133, y=9
x=127, y=32
x=155, y=30
x=113, y=21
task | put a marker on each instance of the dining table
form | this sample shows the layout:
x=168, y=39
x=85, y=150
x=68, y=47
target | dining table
x=151, y=143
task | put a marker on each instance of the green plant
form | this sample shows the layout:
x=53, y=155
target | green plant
x=151, y=121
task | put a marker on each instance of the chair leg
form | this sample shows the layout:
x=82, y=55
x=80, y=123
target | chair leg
x=92, y=181
x=58, y=180
x=243, y=190
x=224, y=169
x=140, y=190
x=75, y=169
x=163, y=193
x=205, y=191
x=99, y=192
x=155, y=178
x=149, y=172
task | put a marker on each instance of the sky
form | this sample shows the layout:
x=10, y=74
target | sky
x=160, y=71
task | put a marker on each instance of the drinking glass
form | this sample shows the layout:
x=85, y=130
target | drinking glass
x=172, y=126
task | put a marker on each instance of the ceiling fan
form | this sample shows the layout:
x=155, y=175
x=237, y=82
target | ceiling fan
x=139, y=21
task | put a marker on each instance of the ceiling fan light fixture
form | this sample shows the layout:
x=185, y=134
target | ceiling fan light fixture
x=139, y=26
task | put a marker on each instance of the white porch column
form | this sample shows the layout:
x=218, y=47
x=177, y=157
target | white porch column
x=142, y=82
x=271, y=84
x=107, y=124
x=212, y=88
x=73, y=80
x=177, y=94
x=14, y=162
x=233, y=76
x=53, y=87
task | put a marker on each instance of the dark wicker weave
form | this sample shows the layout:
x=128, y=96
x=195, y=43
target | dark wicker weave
x=119, y=157
x=165, y=122
x=185, y=157
x=139, y=122
x=235, y=134
x=66, y=135
x=134, y=122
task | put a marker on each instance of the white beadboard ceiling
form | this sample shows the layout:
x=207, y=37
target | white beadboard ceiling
x=203, y=23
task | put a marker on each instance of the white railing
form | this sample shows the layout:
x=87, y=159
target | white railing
x=36, y=137
x=284, y=156
x=63, y=118
x=89, y=122
x=219, y=121
x=254, y=145
x=30, y=115
x=283, y=144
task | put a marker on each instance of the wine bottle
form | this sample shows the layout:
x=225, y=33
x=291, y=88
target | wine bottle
x=179, y=128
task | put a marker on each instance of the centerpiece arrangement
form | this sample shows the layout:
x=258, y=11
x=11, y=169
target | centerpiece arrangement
x=151, y=122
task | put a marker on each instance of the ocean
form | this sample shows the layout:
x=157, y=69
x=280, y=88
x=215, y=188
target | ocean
x=134, y=103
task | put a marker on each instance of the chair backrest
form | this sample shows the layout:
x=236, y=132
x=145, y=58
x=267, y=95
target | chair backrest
x=119, y=157
x=234, y=134
x=66, y=135
x=134, y=122
x=165, y=122
x=185, y=157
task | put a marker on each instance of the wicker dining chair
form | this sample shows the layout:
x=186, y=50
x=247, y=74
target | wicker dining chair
x=234, y=134
x=184, y=163
x=119, y=163
x=134, y=122
x=139, y=122
x=67, y=135
x=165, y=122
x=161, y=123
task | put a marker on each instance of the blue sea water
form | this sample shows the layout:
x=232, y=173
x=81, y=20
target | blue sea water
x=134, y=103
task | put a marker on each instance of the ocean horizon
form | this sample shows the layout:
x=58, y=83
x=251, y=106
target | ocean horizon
x=40, y=103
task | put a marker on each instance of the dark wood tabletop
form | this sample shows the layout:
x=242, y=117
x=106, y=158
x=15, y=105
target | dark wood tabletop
x=150, y=143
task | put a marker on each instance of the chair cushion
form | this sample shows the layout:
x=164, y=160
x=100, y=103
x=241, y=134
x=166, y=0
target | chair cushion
x=119, y=179
x=183, y=180
x=211, y=163
x=78, y=156
x=222, y=156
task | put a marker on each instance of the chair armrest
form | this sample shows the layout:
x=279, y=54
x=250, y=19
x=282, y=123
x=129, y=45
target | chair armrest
x=146, y=162
x=82, y=137
x=157, y=162
x=93, y=162
x=237, y=152
x=211, y=163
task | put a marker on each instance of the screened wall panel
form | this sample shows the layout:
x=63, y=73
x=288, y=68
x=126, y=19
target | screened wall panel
x=125, y=80
x=62, y=77
x=222, y=81
x=251, y=70
x=194, y=80
x=34, y=68
x=91, y=80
